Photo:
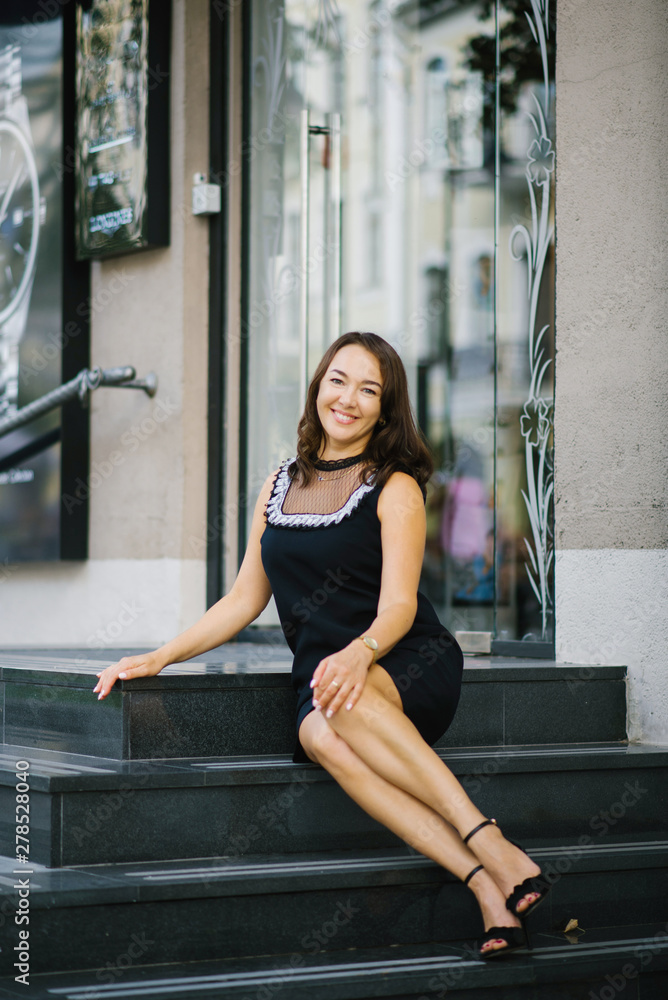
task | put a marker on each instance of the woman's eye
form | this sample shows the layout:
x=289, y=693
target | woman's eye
x=337, y=381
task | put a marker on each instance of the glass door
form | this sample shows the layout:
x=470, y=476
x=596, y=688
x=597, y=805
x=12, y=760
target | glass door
x=400, y=181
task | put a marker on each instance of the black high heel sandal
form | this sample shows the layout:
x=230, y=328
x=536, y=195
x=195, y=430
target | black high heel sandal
x=535, y=883
x=513, y=937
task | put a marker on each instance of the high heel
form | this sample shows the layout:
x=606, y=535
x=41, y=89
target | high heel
x=514, y=938
x=535, y=883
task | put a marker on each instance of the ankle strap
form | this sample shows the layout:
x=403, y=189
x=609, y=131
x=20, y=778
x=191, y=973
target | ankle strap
x=473, y=872
x=487, y=822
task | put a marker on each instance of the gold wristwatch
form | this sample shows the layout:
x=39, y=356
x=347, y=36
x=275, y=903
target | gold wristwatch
x=370, y=644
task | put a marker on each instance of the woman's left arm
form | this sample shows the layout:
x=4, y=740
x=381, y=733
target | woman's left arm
x=403, y=529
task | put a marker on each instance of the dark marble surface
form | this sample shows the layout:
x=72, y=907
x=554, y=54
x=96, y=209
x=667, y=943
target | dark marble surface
x=557, y=970
x=246, y=705
x=196, y=808
x=193, y=723
x=285, y=916
x=56, y=771
x=260, y=874
x=254, y=658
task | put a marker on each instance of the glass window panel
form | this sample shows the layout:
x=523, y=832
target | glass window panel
x=438, y=194
x=525, y=323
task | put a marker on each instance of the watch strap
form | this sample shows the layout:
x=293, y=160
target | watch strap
x=363, y=638
x=10, y=76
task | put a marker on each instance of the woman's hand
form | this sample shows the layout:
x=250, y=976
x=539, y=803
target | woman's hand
x=127, y=668
x=340, y=678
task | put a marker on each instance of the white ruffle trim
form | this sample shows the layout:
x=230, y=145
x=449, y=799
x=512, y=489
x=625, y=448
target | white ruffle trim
x=276, y=516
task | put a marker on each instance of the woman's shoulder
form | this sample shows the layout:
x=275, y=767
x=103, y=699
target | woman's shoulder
x=401, y=491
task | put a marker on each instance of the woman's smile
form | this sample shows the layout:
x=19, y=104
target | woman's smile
x=343, y=418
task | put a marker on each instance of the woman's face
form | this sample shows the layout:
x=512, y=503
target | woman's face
x=349, y=400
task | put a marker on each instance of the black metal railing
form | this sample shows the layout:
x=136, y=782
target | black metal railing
x=80, y=386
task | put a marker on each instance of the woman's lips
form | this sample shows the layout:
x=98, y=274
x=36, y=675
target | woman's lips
x=343, y=418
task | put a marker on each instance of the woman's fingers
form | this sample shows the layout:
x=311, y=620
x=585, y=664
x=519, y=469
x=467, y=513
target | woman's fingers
x=318, y=672
x=126, y=669
x=338, y=700
x=332, y=682
x=354, y=696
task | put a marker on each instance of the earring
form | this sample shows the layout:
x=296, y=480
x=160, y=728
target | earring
x=382, y=421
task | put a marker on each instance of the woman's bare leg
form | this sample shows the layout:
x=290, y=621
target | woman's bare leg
x=388, y=742
x=406, y=816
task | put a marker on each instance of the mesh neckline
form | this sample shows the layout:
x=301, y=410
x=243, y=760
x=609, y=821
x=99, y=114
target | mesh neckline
x=310, y=499
x=332, y=465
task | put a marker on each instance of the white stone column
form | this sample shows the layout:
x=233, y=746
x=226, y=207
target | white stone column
x=611, y=410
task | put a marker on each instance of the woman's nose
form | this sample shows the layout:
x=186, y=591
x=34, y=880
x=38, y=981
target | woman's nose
x=347, y=396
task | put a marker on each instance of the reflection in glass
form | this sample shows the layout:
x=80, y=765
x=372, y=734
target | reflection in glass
x=446, y=250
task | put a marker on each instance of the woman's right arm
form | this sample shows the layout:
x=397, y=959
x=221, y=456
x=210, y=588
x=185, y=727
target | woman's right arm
x=246, y=600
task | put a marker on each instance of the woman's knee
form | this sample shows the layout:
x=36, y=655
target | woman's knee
x=320, y=741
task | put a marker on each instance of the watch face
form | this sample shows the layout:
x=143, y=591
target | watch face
x=19, y=217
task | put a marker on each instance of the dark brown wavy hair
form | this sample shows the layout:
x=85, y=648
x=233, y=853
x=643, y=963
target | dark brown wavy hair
x=397, y=446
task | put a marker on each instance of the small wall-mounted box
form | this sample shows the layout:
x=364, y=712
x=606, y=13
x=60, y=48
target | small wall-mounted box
x=206, y=197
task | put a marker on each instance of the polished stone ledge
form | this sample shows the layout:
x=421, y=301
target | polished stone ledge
x=256, y=664
x=557, y=969
x=259, y=874
x=56, y=772
x=235, y=703
x=104, y=811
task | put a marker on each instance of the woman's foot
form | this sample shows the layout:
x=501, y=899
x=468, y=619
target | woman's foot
x=492, y=905
x=507, y=864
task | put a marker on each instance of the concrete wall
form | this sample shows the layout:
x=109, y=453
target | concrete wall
x=611, y=414
x=145, y=579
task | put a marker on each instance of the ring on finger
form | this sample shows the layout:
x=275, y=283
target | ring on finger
x=335, y=684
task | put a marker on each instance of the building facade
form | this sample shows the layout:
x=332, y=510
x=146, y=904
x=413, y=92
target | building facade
x=391, y=167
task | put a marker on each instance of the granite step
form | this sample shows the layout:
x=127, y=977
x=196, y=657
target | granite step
x=239, y=700
x=282, y=904
x=88, y=810
x=628, y=963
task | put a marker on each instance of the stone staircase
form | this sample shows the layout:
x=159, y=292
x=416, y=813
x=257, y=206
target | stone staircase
x=177, y=852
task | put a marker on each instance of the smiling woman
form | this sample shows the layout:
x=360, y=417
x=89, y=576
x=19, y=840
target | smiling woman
x=338, y=536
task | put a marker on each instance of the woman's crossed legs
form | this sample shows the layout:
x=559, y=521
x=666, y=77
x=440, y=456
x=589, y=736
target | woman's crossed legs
x=380, y=760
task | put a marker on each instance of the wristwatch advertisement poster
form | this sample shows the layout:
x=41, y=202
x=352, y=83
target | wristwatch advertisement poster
x=35, y=281
x=122, y=119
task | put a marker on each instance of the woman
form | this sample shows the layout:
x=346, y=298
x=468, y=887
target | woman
x=338, y=535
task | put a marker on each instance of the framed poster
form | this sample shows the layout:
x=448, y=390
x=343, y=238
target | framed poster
x=44, y=303
x=122, y=118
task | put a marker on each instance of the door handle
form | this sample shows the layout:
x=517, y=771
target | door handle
x=334, y=121
x=303, y=254
x=333, y=131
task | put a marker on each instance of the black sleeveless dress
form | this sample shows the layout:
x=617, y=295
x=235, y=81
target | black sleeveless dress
x=325, y=572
